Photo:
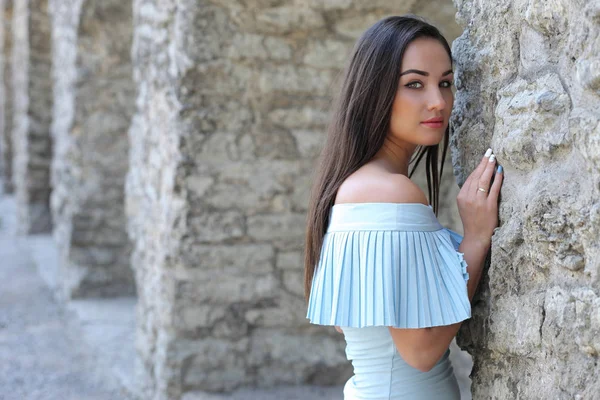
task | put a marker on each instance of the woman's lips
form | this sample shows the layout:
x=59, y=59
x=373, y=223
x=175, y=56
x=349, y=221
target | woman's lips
x=438, y=124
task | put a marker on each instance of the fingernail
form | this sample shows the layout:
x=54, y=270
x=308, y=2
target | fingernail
x=493, y=158
x=500, y=169
x=488, y=152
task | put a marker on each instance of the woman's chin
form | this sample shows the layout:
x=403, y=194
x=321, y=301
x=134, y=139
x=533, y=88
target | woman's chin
x=432, y=141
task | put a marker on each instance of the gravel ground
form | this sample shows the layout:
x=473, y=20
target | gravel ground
x=41, y=350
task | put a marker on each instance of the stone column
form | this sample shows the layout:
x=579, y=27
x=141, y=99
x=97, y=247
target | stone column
x=93, y=103
x=529, y=87
x=6, y=150
x=232, y=106
x=32, y=87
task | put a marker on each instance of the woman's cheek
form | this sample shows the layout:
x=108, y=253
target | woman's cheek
x=414, y=101
x=450, y=100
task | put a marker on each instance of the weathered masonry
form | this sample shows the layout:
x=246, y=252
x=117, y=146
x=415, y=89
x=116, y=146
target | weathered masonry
x=94, y=99
x=529, y=87
x=31, y=118
x=6, y=96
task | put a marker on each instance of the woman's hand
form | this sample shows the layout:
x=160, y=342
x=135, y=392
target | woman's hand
x=478, y=200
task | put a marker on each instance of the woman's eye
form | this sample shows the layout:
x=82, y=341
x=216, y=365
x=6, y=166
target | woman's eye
x=418, y=85
x=413, y=85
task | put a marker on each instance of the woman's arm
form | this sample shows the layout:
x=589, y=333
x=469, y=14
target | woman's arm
x=422, y=348
x=475, y=252
x=430, y=344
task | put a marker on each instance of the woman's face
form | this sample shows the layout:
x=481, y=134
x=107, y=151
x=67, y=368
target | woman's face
x=424, y=93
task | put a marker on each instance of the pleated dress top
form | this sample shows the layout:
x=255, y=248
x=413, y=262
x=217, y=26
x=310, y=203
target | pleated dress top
x=389, y=265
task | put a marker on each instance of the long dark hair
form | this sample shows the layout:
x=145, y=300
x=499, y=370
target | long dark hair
x=360, y=123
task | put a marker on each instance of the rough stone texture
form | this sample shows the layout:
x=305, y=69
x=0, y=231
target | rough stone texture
x=94, y=99
x=6, y=151
x=529, y=87
x=32, y=86
x=233, y=101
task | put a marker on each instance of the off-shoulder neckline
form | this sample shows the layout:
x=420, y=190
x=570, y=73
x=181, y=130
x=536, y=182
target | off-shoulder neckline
x=383, y=204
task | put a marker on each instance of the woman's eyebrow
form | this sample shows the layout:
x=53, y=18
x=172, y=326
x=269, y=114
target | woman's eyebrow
x=417, y=71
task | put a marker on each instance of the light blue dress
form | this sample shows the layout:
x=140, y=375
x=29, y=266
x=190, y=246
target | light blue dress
x=389, y=264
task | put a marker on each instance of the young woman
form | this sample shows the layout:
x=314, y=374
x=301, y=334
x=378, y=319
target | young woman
x=378, y=265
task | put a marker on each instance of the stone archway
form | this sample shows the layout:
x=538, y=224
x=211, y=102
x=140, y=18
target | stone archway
x=32, y=105
x=6, y=96
x=93, y=104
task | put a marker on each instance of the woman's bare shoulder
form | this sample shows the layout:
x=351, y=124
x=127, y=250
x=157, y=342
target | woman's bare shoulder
x=374, y=185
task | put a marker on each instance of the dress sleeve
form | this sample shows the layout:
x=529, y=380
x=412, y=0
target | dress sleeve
x=402, y=279
x=455, y=238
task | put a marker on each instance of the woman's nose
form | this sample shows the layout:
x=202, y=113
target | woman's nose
x=436, y=100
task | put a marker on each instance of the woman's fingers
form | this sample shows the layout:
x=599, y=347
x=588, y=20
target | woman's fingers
x=483, y=184
x=495, y=189
x=476, y=174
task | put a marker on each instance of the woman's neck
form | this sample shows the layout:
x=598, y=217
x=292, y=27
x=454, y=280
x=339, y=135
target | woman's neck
x=394, y=158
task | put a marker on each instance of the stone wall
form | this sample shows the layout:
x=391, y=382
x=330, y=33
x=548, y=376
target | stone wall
x=233, y=101
x=529, y=87
x=32, y=102
x=6, y=96
x=94, y=99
